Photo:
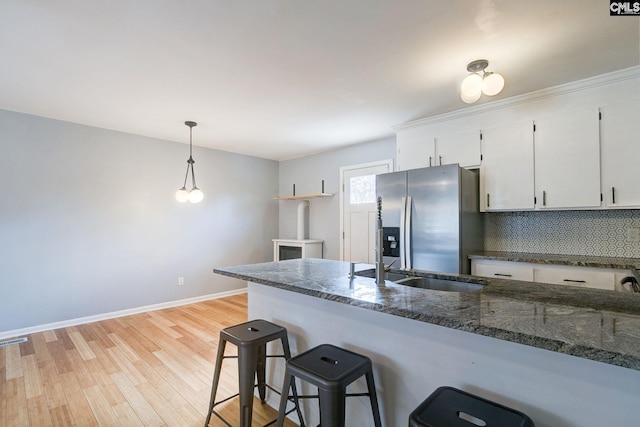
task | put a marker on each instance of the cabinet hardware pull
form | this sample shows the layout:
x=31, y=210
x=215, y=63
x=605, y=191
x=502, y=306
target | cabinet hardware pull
x=544, y=198
x=502, y=275
x=440, y=160
x=574, y=281
x=429, y=161
x=613, y=195
x=488, y=204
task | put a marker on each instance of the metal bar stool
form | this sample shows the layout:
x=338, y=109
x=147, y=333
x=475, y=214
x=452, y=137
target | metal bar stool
x=450, y=407
x=331, y=369
x=251, y=339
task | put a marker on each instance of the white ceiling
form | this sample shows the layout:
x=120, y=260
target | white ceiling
x=284, y=78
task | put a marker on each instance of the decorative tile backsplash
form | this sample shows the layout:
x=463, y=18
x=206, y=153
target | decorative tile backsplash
x=599, y=233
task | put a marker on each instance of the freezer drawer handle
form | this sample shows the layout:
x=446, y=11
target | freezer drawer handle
x=502, y=275
x=574, y=281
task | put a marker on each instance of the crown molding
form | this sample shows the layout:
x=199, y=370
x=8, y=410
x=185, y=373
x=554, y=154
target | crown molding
x=590, y=82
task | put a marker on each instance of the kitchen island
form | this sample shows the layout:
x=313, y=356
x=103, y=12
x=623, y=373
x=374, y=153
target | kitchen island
x=565, y=356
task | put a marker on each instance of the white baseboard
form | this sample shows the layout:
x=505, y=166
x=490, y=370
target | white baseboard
x=120, y=313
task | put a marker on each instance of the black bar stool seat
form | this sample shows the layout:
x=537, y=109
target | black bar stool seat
x=331, y=369
x=450, y=407
x=251, y=339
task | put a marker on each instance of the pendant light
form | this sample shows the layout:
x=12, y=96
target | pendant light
x=480, y=81
x=195, y=195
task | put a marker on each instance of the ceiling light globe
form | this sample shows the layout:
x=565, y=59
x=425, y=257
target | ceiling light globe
x=471, y=85
x=470, y=99
x=196, y=195
x=492, y=84
x=182, y=195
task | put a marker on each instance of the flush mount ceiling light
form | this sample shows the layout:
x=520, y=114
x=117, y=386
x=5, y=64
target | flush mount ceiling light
x=480, y=81
x=195, y=195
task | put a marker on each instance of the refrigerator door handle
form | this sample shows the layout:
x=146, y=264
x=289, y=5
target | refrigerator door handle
x=402, y=233
x=407, y=232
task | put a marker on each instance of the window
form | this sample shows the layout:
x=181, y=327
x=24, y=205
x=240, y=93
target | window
x=362, y=189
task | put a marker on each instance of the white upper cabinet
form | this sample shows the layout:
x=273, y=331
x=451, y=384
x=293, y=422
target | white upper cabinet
x=416, y=148
x=620, y=144
x=419, y=146
x=567, y=160
x=506, y=171
x=460, y=147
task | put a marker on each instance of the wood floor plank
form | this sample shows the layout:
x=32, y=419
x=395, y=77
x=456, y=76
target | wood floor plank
x=13, y=362
x=81, y=345
x=32, y=381
x=39, y=414
x=143, y=409
x=50, y=336
x=17, y=413
x=59, y=354
x=76, y=400
x=61, y=416
x=127, y=416
x=101, y=408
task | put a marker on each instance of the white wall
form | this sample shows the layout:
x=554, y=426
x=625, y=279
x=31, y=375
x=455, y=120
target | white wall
x=89, y=223
x=308, y=172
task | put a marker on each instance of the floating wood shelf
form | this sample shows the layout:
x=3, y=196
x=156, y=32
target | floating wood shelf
x=303, y=196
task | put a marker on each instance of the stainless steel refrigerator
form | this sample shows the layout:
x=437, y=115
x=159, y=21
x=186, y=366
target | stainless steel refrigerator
x=431, y=218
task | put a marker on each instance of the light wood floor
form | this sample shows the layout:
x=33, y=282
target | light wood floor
x=150, y=369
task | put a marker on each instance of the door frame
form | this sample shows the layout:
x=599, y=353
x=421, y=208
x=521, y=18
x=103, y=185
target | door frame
x=343, y=170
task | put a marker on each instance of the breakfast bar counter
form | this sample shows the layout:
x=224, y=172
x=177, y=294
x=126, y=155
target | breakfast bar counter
x=564, y=355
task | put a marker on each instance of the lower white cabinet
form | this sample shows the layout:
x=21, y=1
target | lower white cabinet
x=502, y=270
x=587, y=277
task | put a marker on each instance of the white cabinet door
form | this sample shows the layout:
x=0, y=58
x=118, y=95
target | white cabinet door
x=416, y=148
x=620, y=140
x=506, y=171
x=461, y=147
x=567, y=160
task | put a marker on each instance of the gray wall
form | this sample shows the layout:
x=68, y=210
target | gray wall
x=308, y=172
x=89, y=223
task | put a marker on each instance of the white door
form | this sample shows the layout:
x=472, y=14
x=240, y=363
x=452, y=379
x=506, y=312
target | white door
x=358, y=201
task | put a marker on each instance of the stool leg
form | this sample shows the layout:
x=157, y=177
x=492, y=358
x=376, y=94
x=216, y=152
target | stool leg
x=216, y=378
x=247, y=364
x=332, y=405
x=284, y=397
x=287, y=355
x=371, y=386
x=261, y=371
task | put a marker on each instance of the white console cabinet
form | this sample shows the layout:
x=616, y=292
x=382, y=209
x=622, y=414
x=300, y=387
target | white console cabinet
x=284, y=249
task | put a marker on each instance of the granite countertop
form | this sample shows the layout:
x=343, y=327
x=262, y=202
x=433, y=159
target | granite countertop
x=590, y=323
x=575, y=260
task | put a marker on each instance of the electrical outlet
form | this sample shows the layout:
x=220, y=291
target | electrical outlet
x=180, y=281
x=633, y=234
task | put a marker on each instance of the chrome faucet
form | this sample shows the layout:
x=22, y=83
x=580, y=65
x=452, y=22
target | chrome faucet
x=379, y=246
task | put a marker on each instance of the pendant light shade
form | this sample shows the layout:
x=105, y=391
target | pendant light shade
x=480, y=81
x=195, y=195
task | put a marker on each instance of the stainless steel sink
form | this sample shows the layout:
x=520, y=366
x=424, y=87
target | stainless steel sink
x=440, y=284
x=427, y=281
